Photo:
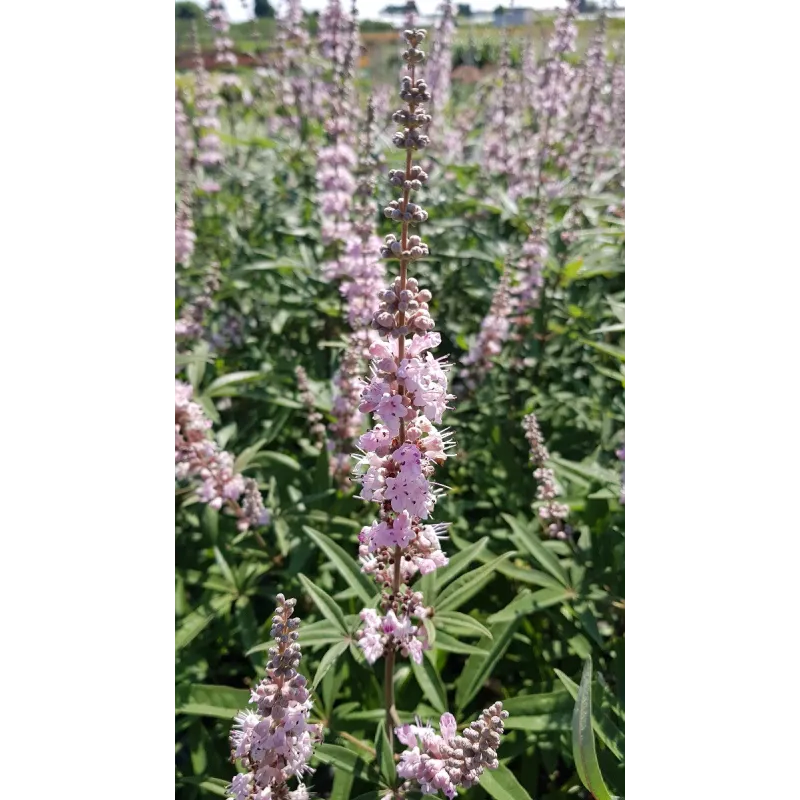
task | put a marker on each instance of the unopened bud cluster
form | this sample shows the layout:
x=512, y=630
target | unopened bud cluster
x=552, y=514
x=411, y=303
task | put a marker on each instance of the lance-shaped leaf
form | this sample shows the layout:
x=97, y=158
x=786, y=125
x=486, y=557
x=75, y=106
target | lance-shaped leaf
x=501, y=784
x=465, y=587
x=385, y=754
x=458, y=624
x=609, y=733
x=430, y=682
x=479, y=667
x=344, y=759
x=534, y=545
x=326, y=604
x=528, y=602
x=345, y=563
x=328, y=660
x=583, y=748
x=212, y=701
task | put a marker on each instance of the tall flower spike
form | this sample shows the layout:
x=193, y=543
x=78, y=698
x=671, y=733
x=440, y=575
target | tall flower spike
x=184, y=149
x=490, y=339
x=552, y=515
x=275, y=741
x=206, y=120
x=307, y=398
x=407, y=394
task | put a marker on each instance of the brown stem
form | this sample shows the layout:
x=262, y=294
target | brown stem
x=392, y=718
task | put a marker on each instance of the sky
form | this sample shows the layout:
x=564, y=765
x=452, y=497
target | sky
x=370, y=8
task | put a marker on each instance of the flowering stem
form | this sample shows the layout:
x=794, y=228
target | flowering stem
x=392, y=718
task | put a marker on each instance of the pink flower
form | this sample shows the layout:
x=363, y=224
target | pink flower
x=391, y=410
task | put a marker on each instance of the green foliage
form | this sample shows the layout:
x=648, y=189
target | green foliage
x=263, y=9
x=515, y=615
x=185, y=9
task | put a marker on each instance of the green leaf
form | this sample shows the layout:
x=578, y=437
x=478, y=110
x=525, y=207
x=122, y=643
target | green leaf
x=458, y=592
x=194, y=622
x=430, y=682
x=459, y=562
x=246, y=456
x=212, y=701
x=536, y=704
x=385, y=754
x=221, y=384
x=608, y=349
x=583, y=738
x=344, y=759
x=325, y=603
x=342, y=785
x=536, y=548
x=479, y=667
x=215, y=786
x=267, y=456
x=225, y=569
x=457, y=623
x=345, y=563
x=328, y=660
x=501, y=784
x=609, y=733
x=560, y=721
x=528, y=602
x=448, y=643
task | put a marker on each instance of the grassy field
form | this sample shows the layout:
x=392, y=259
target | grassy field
x=249, y=36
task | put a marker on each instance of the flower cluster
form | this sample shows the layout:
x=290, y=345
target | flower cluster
x=199, y=456
x=275, y=741
x=407, y=395
x=503, y=122
x=184, y=149
x=530, y=271
x=346, y=417
x=307, y=398
x=551, y=513
x=391, y=630
x=206, y=104
x=218, y=19
x=444, y=761
x=490, y=340
x=191, y=323
x=441, y=57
